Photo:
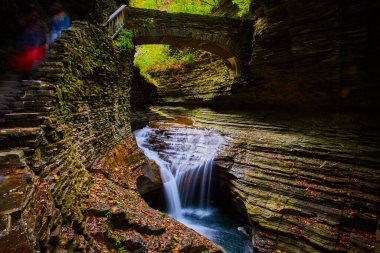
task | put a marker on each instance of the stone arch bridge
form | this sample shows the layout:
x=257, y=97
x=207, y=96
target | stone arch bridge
x=231, y=39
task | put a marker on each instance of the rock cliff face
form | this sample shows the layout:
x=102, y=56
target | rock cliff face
x=69, y=183
x=204, y=82
x=307, y=183
x=320, y=53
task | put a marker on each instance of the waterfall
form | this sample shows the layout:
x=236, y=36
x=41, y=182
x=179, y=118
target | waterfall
x=170, y=187
x=185, y=157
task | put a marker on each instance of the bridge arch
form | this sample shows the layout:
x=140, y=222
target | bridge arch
x=231, y=61
x=231, y=39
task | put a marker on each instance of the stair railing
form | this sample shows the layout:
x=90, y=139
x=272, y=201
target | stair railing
x=116, y=21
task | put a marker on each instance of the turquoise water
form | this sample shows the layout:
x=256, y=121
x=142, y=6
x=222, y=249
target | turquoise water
x=219, y=228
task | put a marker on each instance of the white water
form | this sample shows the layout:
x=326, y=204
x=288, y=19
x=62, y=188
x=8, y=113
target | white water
x=171, y=190
x=185, y=157
x=186, y=160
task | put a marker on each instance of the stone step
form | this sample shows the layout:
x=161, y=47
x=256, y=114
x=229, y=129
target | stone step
x=22, y=116
x=40, y=85
x=3, y=112
x=16, y=189
x=32, y=106
x=19, y=137
x=32, y=83
x=34, y=98
x=13, y=158
x=9, y=83
x=39, y=93
x=11, y=90
x=5, y=99
x=24, y=120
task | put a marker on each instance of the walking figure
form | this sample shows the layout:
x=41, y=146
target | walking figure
x=59, y=21
x=33, y=45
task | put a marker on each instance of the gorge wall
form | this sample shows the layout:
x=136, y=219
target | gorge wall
x=70, y=164
x=308, y=184
x=321, y=53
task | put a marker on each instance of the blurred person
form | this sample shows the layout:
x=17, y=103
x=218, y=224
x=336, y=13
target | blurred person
x=33, y=45
x=59, y=21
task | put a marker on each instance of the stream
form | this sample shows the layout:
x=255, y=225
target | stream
x=185, y=156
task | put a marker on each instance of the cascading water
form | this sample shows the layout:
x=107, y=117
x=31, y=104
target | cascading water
x=171, y=190
x=185, y=163
x=185, y=156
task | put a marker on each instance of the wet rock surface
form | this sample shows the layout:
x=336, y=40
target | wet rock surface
x=307, y=183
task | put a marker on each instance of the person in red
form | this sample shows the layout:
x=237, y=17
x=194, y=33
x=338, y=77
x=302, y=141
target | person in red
x=33, y=45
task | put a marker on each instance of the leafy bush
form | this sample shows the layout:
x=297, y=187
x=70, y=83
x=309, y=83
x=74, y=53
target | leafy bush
x=243, y=6
x=189, y=60
x=186, y=6
x=124, y=40
x=153, y=58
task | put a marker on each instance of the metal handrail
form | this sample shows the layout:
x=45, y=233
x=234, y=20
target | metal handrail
x=116, y=21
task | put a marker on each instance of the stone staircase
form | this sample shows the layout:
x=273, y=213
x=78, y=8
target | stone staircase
x=24, y=107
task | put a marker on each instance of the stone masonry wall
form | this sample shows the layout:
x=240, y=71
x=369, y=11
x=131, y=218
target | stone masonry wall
x=74, y=187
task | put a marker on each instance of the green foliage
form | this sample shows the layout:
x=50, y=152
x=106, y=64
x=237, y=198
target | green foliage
x=150, y=57
x=124, y=40
x=153, y=58
x=186, y=6
x=122, y=250
x=118, y=242
x=109, y=214
x=243, y=6
x=189, y=59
